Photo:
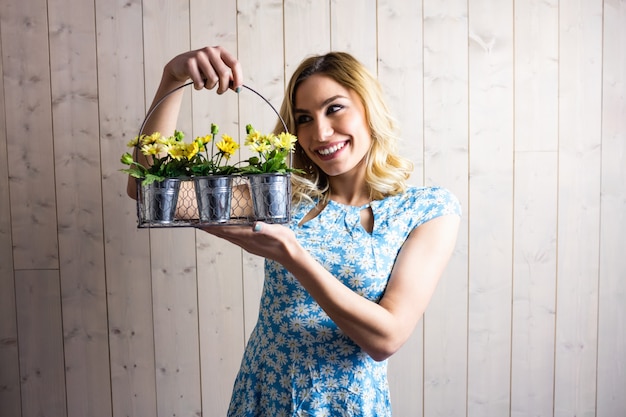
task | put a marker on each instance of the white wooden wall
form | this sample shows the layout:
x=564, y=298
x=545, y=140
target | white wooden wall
x=519, y=107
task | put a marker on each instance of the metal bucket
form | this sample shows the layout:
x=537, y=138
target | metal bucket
x=271, y=197
x=158, y=200
x=214, y=196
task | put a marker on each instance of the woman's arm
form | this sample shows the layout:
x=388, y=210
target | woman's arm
x=208, y=67
x=380, y=329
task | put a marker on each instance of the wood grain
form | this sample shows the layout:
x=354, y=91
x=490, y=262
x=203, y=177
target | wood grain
x=490, y=206
x=9, y=377
x=612, y=286
x=446, y=151
x=580, y=124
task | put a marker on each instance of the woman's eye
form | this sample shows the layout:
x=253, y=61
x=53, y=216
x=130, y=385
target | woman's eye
x=334, y=108
x=302, y=119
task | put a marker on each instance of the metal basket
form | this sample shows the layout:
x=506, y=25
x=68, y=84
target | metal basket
x=238, y=199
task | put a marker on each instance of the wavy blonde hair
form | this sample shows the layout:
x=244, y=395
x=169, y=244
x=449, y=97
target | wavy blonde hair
x=386, y=170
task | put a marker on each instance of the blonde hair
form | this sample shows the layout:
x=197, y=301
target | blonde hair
x=386, y=170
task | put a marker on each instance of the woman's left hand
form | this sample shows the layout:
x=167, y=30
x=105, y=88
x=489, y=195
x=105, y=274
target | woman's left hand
x=271, y=241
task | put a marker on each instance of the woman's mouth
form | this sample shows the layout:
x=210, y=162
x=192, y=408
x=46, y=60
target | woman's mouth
x=331, y=150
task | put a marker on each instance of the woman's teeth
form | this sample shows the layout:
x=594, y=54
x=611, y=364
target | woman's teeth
x=332, y=149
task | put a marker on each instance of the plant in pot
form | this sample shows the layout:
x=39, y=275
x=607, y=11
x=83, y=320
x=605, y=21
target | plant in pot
x=159, y=180
x=269, y=173
x=212, y=176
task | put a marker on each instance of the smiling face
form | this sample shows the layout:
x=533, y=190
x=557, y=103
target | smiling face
x=331, y=126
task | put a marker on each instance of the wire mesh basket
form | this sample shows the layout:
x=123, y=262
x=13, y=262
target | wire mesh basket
x=234, y=199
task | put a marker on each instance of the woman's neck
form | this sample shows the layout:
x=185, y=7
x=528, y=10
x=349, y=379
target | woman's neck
x=349, y=192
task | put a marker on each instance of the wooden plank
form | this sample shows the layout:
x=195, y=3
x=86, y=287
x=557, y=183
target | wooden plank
x=536, y=75
x=81, y=241
x=490, y=206
x=580, y=106
x=536, y=130
x=534, y=289
x=10, y=375
x=129, y=288
x=175, y=304
x=353, y=29
x=38, y=301
x=400, y=72
x=298, y=15
x=259, y=25
x=174, y=287
x=399, y=39
x=612, y=292
x=31, y=162
x=220, y=287
x=221, y=313
x=446, y=151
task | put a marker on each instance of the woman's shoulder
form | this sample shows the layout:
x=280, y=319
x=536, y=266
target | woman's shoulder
x=434, y=195
x=422, y=203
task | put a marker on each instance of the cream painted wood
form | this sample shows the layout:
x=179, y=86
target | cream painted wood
x=260, y=50
x=27, y=88
x=399, y=68
x=580, y=124
x=612, y=286
x=536, y=75
x=490, y=206
x=173, y=260
x=42, y=378
x=122, y=107
x=220, y=290
x=534, y=282
x=351, y=24
x=527, y=130
x=400, y=72
x=305, y=17
x=221, y=320
x=535, y=208
x=446, y=151
x=79, y=196
x=176, y=340
x=10, y=375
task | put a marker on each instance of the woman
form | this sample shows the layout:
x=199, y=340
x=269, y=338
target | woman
x=349, y=278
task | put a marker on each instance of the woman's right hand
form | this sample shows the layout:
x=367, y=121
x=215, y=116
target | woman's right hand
x=207, y=67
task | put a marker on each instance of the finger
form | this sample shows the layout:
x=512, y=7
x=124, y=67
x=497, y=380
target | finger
x=208, y=74
x=235, y=68
x=258, y=227
x=223, y=73
x=201, y=73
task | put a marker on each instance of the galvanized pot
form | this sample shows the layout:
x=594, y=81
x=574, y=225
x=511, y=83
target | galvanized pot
x=158, y=200
x=214, y=196
x=271, y=197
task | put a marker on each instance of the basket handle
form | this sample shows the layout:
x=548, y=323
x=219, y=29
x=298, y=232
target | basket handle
x=191, y=82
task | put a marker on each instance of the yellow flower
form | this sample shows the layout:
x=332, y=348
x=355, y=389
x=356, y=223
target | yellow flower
x=176, y=151
x=133, y=142
x=252, y=138
x=286, y=141
x=151, y=149
x=168, y=141
x=150, y=139
x=227, y=146
x=203, y=140
x=261, y=147
x=192, y=149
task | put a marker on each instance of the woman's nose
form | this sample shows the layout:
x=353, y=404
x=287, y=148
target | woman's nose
x=324, y=131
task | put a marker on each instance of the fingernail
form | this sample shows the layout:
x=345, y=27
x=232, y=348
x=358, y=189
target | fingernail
x=238, y=90
x=257, y=227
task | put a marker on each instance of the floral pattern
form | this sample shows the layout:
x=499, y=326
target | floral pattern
x=298, y=362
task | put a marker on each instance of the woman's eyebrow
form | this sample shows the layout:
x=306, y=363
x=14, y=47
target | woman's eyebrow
x=324, y=103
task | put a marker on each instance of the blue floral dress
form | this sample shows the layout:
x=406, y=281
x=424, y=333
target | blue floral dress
x=297, y=361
